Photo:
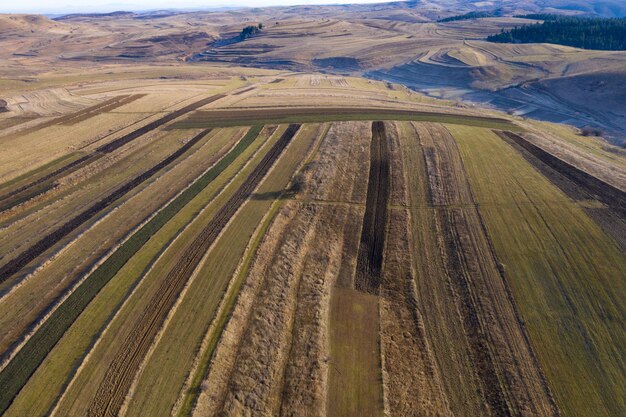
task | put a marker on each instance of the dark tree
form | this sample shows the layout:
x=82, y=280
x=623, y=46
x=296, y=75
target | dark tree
x=579, y=32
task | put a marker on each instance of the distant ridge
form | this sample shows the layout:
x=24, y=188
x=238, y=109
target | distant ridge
x=119, y=13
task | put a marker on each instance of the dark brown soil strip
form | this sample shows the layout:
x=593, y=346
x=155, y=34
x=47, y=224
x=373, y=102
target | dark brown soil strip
x=578, y=185
x=9, y=200
x=245, y=90
x=119, y=376
x=6, y=201
x=370, y=257
x=100, y=108
x=97, y=108
x=43, y=184
x=600, y=190
x=45, y=243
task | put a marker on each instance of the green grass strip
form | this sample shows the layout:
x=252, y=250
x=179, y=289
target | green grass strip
x=197, y=122
x=25, y=363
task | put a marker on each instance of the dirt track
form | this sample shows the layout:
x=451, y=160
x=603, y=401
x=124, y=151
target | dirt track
x=118, y=378
x=370, y=257
x=45, y=243
x=46, y=182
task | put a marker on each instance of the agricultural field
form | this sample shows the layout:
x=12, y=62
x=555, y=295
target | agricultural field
x=208, y=256
x=191, y=228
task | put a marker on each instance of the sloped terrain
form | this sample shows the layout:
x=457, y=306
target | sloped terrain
x=216, y=257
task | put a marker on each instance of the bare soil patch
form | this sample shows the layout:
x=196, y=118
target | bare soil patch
x=370, y=258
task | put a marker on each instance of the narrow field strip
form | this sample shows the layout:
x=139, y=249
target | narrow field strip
x=226, y=358
x=118, y=378
x=235, y=117
x=254, y=370
x=38, y=172
x=24, y=364
x=106, y=106
x=104, y=149
x=113, y=145
x=412, y=381
x=479, y=345
x=304, y=384
x=97, y=108
x=192, y=388
x=43, y=184
x=370, y=257
x=354, y=374
x=45, y=243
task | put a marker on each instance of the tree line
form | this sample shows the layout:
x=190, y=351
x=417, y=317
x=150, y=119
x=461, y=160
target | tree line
x=579, y=32
x=468, y=16
x=250, y=31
